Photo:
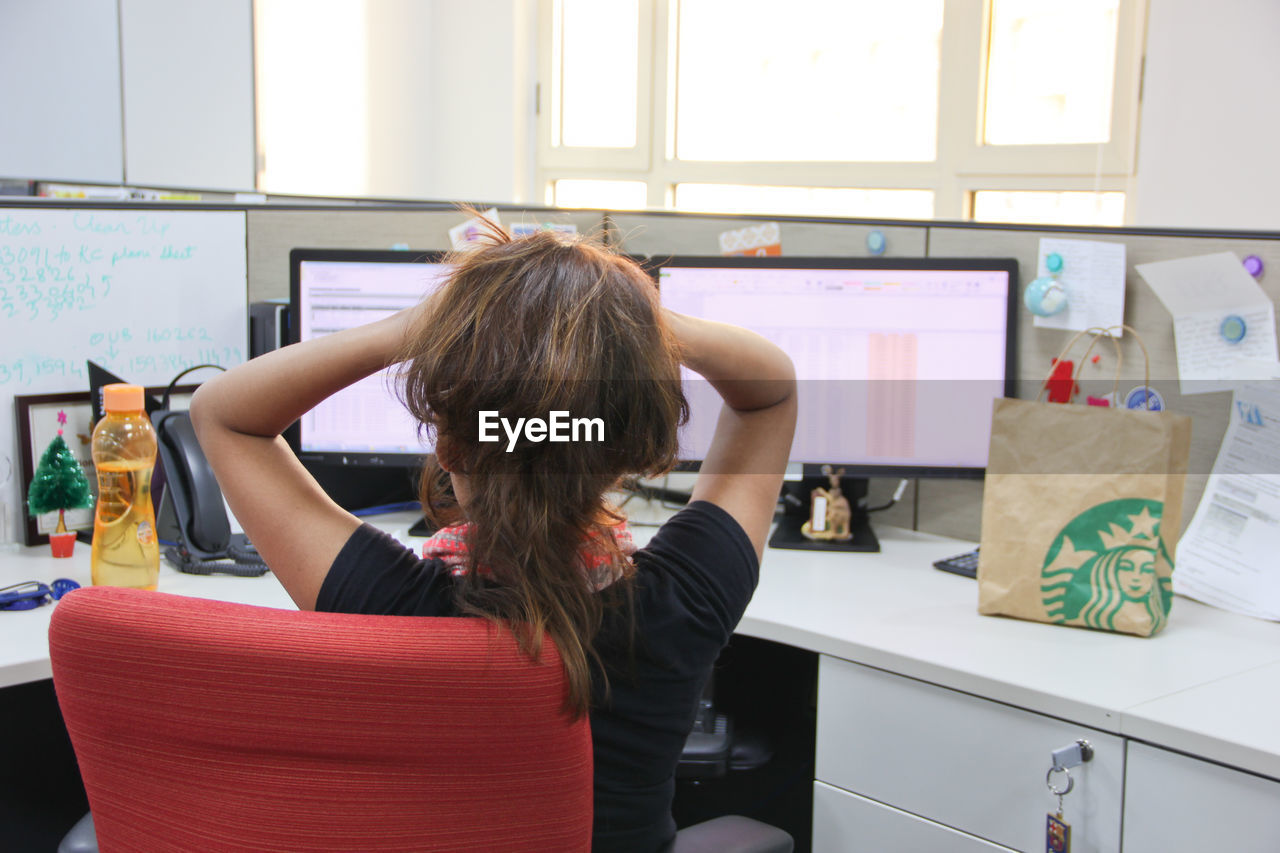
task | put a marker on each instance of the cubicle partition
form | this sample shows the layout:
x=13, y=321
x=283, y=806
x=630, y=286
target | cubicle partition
x=696, y=234
x=953, y=507
x=947, y=507
x=273, y=232
x=1143, y=311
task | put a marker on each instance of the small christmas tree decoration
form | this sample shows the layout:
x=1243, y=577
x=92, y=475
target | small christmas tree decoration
x=59, y=484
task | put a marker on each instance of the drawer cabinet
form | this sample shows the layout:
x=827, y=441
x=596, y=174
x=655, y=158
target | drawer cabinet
x=844, y=822
x=971, y=764
x=1175, y=803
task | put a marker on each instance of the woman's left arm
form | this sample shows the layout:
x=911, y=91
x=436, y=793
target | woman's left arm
x=239, y=417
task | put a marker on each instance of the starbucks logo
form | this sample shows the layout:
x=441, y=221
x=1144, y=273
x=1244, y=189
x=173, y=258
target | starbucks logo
x=1103, y=564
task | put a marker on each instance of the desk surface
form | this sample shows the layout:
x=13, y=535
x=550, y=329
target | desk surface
x=1206, y=686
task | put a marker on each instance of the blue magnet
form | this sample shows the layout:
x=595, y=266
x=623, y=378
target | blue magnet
x=1232, y=329
x=1253, y=265
x=1145, y=398
x=1053, y=262
x=1044, y=297
x=875, y=242
x=400, y=247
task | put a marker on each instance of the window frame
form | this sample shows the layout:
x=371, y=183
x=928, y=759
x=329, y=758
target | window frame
x=1113, y=157
x=963, y=163
x=582, y=160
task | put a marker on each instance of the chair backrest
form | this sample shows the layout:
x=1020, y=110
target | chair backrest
x=204, y=725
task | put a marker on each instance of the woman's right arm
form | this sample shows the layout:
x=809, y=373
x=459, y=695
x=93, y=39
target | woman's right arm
x=742, y=471
x=239, y=417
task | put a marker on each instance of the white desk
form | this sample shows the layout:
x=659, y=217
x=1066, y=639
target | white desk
x=935, y=723
x=1207, y=686
x=24, y=634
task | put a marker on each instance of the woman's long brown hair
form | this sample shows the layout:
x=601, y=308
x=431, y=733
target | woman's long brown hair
x=525, y=327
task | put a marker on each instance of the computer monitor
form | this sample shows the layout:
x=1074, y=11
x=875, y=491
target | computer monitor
x=898, y=360
x=363, y=426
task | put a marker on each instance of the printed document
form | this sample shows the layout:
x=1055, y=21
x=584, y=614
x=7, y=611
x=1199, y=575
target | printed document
x=1227, y=557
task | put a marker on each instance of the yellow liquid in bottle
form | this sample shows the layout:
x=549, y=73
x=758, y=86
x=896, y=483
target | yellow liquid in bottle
x=125, y=550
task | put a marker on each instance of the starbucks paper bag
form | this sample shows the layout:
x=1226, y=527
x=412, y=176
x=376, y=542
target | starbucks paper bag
x=1081, y=512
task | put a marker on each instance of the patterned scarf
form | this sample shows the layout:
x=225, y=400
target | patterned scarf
x=449, y=544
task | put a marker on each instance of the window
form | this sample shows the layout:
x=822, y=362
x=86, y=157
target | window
x=611, y=195
x=804, y=201
x=311, y=92
x=1061, y=208
x=595, y=73
x=1050, y=71
x=911, y=109
x=755, y=85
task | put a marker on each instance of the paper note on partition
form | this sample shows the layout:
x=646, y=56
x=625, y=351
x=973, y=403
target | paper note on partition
x=467, y=235
x=1093, y=277
x=524, y=229
x=1221, y=317
x=1227, y=555
x=756, y=240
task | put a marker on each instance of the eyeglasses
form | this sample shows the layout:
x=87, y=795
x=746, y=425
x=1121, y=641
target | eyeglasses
x=32, y=594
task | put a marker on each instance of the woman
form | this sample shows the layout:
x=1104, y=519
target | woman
x=523, y=328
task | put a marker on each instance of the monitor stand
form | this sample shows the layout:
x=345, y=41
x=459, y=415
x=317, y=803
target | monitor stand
x=796, y=499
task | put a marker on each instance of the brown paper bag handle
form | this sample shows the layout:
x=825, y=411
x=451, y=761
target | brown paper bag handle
x=1099, y=332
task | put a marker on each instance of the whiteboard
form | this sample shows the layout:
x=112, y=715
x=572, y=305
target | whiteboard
x=144, y=293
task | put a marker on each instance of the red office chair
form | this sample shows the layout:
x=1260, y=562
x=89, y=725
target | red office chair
x=203, y=725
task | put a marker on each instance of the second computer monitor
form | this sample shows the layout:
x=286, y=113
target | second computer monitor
x=898, y=359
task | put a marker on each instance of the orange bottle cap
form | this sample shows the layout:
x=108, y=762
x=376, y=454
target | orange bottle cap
x=122, y=398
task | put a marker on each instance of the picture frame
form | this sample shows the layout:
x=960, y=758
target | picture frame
x=38, y=422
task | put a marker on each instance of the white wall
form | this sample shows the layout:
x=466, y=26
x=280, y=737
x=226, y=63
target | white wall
x=188, y=119
x=426, y=100
x=482, y=71
x=382, y=98
x=60, y=111
x=1209, y=146
x=100, y=91
x=312, y=97
x=400, y=40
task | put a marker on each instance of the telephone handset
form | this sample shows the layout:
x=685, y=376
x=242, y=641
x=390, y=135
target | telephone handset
x=206, y=544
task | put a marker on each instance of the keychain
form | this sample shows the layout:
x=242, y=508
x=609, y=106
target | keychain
x=1057, y=832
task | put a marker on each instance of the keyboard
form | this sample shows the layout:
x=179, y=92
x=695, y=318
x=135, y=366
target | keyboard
x=961, y=564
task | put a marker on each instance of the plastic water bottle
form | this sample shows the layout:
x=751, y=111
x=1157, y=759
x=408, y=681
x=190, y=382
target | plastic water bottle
x=125, y=550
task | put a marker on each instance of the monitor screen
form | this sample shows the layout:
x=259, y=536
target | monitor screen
x=898, y=360
x=332, y=290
